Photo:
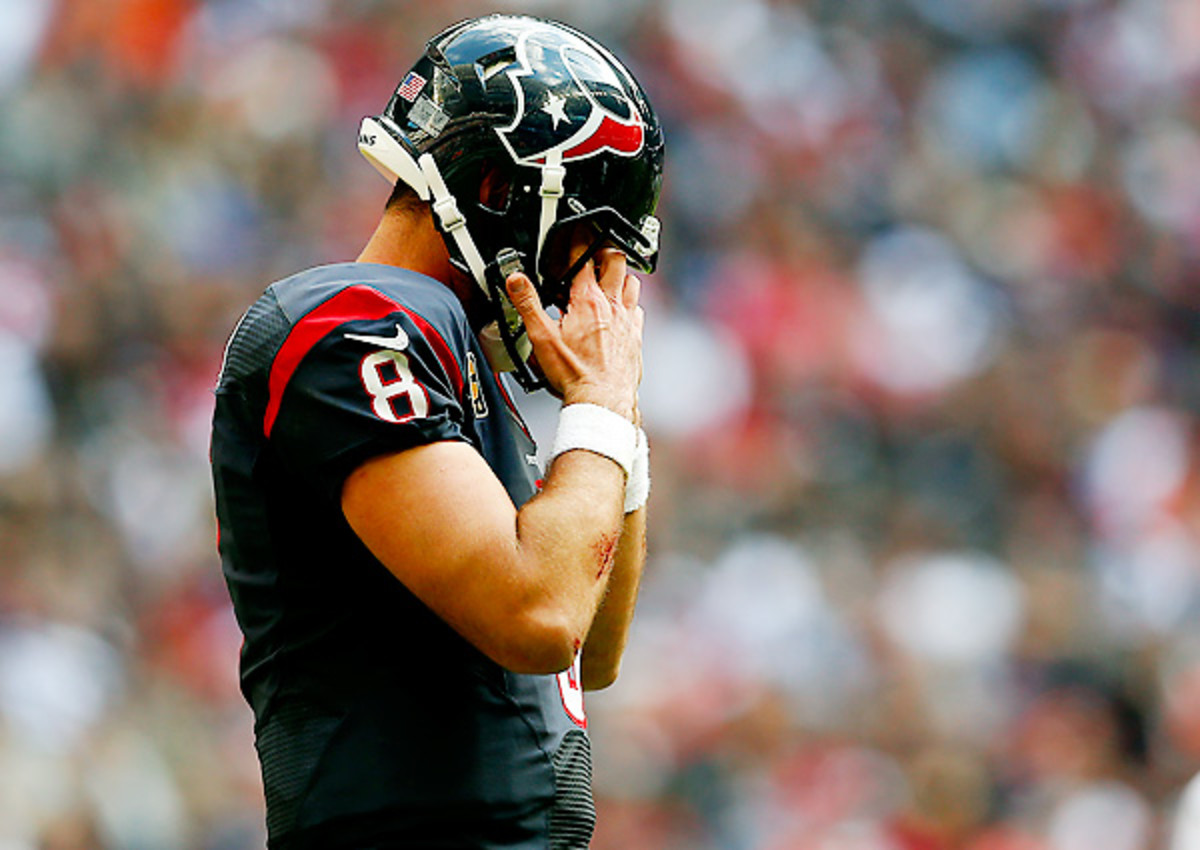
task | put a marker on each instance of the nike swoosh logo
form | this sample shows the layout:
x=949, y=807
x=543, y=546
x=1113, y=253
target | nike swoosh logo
x=399, y=342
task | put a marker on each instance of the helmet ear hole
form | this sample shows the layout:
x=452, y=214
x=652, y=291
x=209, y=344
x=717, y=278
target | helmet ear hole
x=568, y=249
x=494, y=188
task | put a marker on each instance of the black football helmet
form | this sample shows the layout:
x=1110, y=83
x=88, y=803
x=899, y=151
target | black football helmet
x=517, y=129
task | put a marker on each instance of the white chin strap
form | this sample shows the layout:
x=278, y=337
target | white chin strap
x=554, y=173
x=389, y=157
x=395, y=163
x=445, y=207
x=453, y=222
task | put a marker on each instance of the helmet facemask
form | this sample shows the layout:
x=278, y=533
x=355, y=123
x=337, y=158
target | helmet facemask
x=553, y=270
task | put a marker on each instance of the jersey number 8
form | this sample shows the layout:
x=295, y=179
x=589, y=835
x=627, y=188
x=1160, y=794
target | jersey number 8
x=387, y=378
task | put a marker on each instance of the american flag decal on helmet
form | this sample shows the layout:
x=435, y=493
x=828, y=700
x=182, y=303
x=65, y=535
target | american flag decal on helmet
x=411, y=86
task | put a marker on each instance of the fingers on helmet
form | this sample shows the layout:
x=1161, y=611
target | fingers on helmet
x=632, y=291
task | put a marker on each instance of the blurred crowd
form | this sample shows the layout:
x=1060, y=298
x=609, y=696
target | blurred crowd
x=920, y=380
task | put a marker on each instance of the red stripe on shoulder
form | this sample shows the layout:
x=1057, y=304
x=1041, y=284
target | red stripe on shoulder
x=443, y=351
x=351, y=304
x=354, y=302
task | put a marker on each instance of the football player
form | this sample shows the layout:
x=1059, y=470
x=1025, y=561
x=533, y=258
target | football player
x=421, y=611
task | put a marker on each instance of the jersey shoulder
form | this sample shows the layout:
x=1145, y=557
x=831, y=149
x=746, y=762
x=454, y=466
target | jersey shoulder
x=358, y=291
x=295, y=313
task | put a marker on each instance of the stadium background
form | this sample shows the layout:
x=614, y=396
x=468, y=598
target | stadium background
x=921, y=382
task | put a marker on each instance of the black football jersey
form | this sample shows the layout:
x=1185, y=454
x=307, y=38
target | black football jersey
x=376, y=724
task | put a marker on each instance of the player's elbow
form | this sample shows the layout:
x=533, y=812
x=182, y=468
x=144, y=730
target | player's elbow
x=595, y=677
x=600, y=664
x=538, y=643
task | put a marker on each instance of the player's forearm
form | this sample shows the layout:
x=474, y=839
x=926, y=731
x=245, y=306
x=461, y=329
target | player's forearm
x=605, y=644
x=568, y=540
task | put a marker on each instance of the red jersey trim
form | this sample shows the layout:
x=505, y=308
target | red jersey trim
x=449, y=361
x=354, y=303
x=512, y=408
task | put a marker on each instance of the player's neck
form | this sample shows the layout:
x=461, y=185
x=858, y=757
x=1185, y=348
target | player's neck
x=407, y=238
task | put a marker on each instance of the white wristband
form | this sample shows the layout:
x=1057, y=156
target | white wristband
x=599, y=430
x=637, y=485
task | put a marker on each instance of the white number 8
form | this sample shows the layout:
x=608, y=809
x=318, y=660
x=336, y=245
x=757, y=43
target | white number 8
x=385, y=392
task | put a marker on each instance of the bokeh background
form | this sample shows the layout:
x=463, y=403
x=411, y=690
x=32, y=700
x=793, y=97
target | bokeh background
x=921, y=382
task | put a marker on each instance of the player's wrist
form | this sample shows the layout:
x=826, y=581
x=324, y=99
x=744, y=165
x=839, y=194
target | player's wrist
x=620, y=403
x=594, y=428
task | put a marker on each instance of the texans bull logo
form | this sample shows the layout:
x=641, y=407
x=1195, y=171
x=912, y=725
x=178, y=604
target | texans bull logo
x=576, y=107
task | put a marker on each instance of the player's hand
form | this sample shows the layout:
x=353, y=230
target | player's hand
x=594, y=352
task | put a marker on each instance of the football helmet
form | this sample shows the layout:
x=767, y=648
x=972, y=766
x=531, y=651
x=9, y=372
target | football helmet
x=517, y=130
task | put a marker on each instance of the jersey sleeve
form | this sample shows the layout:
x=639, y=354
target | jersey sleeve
x=344, y=389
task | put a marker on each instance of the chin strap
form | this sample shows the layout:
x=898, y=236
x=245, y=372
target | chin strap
x=504, y=337
x=506, y=345
x=554, y=173
x=453, y=222
x=507, y=330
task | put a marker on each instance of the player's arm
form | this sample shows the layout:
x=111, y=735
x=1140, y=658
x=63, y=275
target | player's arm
x=605, y=644
x=522, y=586
x=606, y=639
